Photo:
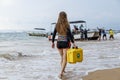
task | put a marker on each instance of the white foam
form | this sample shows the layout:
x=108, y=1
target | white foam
x=39, y=61
x=117, y=35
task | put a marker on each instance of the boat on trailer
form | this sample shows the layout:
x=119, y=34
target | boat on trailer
x=76, y=29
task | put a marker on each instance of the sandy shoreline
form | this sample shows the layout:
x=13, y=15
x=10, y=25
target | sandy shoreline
x=107, y=74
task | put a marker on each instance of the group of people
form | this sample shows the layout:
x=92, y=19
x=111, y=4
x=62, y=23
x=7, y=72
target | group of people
x=103, y=34
x=83, y=32
x=65, y=38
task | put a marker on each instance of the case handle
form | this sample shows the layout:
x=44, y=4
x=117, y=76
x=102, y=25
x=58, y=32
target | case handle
x=75, y=47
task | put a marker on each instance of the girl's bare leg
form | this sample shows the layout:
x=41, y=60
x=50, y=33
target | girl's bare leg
x=61, y=54
x=63, y=61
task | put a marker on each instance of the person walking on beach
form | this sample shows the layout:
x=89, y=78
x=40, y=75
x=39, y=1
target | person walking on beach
x=62, y=27
x=111, y=34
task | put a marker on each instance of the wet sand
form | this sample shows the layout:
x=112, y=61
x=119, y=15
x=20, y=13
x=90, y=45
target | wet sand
x=107, y=74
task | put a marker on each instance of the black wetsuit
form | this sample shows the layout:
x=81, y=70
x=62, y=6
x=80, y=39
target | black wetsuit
x=63, y=41
x=104, y=33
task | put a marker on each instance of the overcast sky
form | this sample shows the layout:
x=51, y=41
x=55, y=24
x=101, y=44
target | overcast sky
x=29, y=14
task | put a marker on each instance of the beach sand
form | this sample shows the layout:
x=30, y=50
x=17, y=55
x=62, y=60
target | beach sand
x=107, y=74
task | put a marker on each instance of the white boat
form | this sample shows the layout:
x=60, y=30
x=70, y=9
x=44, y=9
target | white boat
x=91, y=34
x=40, y=32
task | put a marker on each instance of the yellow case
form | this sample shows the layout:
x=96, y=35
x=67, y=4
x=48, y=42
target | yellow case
x=74, y=55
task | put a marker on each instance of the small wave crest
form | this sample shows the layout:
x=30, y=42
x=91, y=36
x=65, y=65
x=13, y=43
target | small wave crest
x=11, y=55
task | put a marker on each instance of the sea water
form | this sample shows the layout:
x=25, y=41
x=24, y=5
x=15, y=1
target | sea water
x=24, y=57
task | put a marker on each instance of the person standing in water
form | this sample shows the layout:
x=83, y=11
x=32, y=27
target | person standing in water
x=111, y=34
x=85, y=34
x=104, y=34
x=100, y=31
x=62, y=27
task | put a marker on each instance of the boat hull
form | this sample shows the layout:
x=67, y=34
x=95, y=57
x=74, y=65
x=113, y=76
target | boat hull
x=37, y=34
x=91, y=36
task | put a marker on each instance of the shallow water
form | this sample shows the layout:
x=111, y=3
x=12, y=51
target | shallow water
x=32, y=58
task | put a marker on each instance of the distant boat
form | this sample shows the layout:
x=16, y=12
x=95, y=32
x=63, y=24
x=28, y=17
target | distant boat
x=40, y=32
x=92, y=34
x=39, y=28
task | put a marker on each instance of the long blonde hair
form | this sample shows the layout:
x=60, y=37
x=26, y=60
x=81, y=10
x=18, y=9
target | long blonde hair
x=62, y=23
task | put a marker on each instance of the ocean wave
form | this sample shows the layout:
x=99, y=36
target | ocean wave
x=11, y=56
x=117, y=36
